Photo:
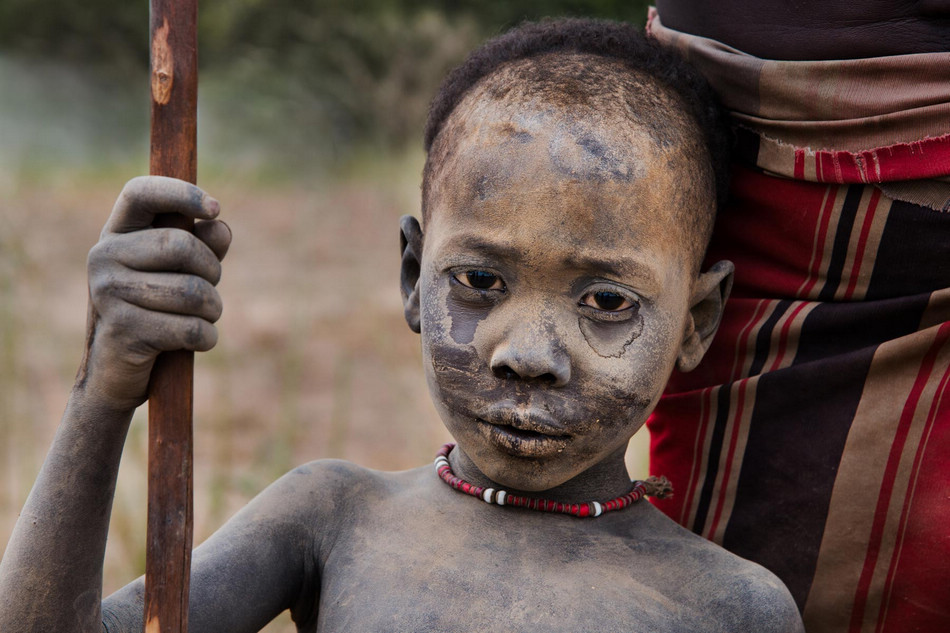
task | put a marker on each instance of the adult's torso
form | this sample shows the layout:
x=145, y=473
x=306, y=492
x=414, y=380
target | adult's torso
x=816, y=29
x=813, y=437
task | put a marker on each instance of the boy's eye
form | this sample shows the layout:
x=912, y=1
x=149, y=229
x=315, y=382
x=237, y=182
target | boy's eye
x=607, y=301
x=480, y=280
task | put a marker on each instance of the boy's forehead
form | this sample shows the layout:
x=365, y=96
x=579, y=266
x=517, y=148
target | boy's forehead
x=641, y=149
x=576, y=91
x=588, y=146
x=553, y=184
x=591, y=118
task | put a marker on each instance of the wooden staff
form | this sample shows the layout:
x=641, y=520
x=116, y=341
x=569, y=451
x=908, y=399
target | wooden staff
x=174, y=87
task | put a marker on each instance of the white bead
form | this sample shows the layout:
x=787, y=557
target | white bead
x=597, y=508
x=486, y=496
x=440, y=460
x=500, y=498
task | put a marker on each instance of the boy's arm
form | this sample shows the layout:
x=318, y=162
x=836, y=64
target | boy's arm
x=151, y=290
x=264, y=560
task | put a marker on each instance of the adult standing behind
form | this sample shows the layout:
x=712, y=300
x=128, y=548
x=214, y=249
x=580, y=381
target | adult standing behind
x=815, y=436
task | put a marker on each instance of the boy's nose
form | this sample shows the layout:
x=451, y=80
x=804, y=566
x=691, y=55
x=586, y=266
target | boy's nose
x=527, y=355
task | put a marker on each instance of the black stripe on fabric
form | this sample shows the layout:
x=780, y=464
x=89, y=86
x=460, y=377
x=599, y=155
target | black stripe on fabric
x=763, y=340
x=796, y=438
x=832, y=329
x=914, y=253
x=839, y=251
x=759, y=356
x=715, y=451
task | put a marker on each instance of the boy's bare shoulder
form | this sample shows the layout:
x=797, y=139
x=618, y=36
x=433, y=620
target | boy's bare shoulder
x=336, y=473
x=742, y=594
x=324, y=481
x=329, y=487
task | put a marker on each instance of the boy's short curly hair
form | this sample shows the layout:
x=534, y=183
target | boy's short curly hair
x=612, y=40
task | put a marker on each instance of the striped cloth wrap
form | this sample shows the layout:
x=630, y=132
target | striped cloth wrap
x=814, y=438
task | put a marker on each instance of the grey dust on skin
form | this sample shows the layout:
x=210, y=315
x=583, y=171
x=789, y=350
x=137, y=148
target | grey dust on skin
x=609, y=342
x=533, y=226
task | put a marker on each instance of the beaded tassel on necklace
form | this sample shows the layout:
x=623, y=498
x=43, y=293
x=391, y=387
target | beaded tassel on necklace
x=658, y=487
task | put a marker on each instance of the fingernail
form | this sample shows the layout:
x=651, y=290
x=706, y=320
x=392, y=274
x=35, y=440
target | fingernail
x=213, y=206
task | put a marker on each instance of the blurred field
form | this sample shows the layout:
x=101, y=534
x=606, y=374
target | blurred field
x=314, y=358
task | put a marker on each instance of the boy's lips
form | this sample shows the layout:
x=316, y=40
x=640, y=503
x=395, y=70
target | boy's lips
x=524, y=432
x=527, y=418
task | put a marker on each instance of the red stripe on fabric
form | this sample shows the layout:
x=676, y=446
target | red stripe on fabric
x=905, y=511
x=927, y=158
x=672, y=426
x=783, y=337
x=920, y=600
x=862, y=243
x=695, y=458
x=890, y=474
x=839, y=167
x=675, y=425
x=730, y=455
x=772, y=250
x=799, y=164
x=738, y=362
x=818, y=249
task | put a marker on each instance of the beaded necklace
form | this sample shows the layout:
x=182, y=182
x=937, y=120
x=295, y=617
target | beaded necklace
x=658, y=487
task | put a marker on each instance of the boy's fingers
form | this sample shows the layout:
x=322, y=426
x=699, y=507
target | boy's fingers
x=145, y=197
x=170, y=293
x=157, y=250
x=170, y=332
x=216, y=234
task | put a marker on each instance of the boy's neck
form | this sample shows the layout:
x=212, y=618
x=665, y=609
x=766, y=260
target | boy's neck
x=605, y=480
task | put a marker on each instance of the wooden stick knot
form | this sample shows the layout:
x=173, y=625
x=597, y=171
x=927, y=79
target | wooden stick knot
x=163, y=66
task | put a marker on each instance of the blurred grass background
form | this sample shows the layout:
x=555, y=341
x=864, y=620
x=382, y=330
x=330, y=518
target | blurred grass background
x=310, y=125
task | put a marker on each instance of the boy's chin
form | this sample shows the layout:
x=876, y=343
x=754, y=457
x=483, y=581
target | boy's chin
x=517, y=470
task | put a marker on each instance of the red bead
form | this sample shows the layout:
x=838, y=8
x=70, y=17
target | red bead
x=444, y=471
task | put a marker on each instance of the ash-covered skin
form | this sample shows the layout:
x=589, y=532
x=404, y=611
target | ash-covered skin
x=349, y=549
x=556, y=198
x=607, y=340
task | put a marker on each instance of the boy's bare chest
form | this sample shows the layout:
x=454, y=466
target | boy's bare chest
x=432, y=576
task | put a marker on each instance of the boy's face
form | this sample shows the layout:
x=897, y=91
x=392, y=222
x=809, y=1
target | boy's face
x=555, y=286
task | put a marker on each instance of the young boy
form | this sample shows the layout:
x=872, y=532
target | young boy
x=571, y=182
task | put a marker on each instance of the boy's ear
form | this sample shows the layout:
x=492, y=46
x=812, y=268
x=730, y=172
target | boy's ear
x=410, y=244
x=705, y=310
